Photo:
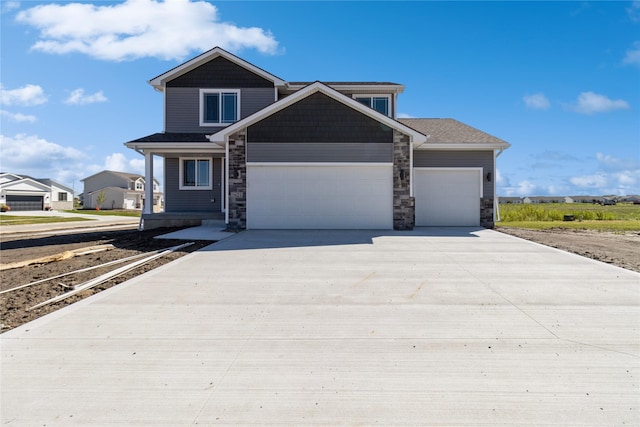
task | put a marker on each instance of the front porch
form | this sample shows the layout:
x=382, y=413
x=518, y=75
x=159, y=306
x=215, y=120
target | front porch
x=177, y=219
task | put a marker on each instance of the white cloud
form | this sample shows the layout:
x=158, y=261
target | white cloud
x=119, y=162
x=8, y=6
x=405, y=116
x=78, y=97
x=611, y=163
x=31, y=155
x=633, y=55
x=27, y=95
x=590, y=103
x=18, y=117
x=537, y=101
x=168, y=30
x=633, y=11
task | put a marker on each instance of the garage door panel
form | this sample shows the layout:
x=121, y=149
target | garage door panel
x=447, y=197
x=320, y=197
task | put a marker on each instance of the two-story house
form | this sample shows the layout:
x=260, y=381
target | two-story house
x=243, y=144
x=120, y=190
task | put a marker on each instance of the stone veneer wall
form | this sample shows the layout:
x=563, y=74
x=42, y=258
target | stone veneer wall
x=403, y=204
x=237, y=181
x=486, y=212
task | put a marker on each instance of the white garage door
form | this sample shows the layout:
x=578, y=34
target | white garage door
x=353, y=196
x=447, y=197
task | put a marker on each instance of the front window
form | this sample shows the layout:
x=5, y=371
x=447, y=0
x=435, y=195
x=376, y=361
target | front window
x=219, y=107
x=380, y=103
x=195, y=174
x=62, y=196
x=139, y=186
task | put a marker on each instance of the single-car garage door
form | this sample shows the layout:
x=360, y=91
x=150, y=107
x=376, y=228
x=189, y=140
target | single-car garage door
x=447, y=196
x=353, y=196
x=25, y=203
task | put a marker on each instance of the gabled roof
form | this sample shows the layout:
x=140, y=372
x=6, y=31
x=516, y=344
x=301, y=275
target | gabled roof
x=125, y=175
x=355, y=86
x=220, y=137
x=26, y=182
x=159, y=81
x=450, y=133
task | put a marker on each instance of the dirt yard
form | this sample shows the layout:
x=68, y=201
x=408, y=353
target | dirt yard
x=14, y=305
x=619, y=249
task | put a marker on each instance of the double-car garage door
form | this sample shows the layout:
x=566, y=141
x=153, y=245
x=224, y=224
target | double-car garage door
x=25, y=203
x=316, y=196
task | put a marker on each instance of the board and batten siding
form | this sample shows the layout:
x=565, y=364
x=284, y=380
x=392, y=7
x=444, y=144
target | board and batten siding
x=182, y=107
x=177, y=200
x=458, y=159
x=320, y=152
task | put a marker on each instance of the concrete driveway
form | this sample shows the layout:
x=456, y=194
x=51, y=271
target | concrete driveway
x=431, y=327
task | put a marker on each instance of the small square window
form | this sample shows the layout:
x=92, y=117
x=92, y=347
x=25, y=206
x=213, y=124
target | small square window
x=219, y=107
x=377, y=102
x=195, y=174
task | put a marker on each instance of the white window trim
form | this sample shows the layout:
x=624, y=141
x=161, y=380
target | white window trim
x=218, y=91
x=376, y=95
x=195, y=188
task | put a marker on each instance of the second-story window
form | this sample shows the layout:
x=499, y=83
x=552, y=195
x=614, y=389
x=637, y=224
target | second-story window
x=219, y=107
x=380, y=103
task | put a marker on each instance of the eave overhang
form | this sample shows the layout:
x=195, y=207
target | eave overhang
x=221, y=136
x=463, y=146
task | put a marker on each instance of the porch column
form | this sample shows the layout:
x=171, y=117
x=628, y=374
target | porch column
x=148, y=183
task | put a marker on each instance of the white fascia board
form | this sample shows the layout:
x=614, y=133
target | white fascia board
x=159, y=82
x=463, y=146
x=175, y=147
x=358, y=87
x=222, y=135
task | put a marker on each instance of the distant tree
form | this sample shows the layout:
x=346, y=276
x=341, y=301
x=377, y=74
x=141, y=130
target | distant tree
x=100, y=199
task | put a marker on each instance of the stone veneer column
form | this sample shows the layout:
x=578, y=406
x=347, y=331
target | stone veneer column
x=237, y=181
x=486, y=212
x=403, y=203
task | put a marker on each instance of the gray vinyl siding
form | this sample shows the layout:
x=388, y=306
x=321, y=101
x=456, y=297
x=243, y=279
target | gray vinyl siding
x=182, y=107
x=458, y=159
x=319, y=152
x=177, y=200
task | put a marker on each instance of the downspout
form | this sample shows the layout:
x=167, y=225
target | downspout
x=496, y=202
x=226, y=182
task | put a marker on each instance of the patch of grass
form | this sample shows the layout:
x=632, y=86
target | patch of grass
x=21, y=220
x=615, y=226
x=621, y=217
x=112, y=212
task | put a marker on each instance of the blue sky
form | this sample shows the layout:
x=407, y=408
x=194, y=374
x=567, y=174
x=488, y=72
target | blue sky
x=560, y=81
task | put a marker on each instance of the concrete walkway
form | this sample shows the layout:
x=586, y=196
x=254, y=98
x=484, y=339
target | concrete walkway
x=430, y=327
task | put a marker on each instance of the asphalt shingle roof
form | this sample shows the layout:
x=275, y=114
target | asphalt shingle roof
x=443, y=131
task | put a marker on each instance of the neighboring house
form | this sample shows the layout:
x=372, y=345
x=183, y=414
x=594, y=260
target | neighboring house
x=547, y=199
x=24, y=193
x=242, y=144
x=120, y=190
x=510, y=200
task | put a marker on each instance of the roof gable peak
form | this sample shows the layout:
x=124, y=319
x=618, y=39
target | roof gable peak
x=159, y=82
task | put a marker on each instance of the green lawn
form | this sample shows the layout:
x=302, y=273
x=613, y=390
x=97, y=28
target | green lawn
x=8, y=219
x=618, y=218
x=113, y=212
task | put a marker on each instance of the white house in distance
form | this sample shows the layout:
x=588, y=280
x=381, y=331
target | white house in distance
x=24, y=193
x=120, y=190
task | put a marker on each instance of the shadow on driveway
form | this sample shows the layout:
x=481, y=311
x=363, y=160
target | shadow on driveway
x=272, y=239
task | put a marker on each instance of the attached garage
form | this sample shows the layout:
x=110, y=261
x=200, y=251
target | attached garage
x=447, y=196
x=320, y=196
x=25, y=203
